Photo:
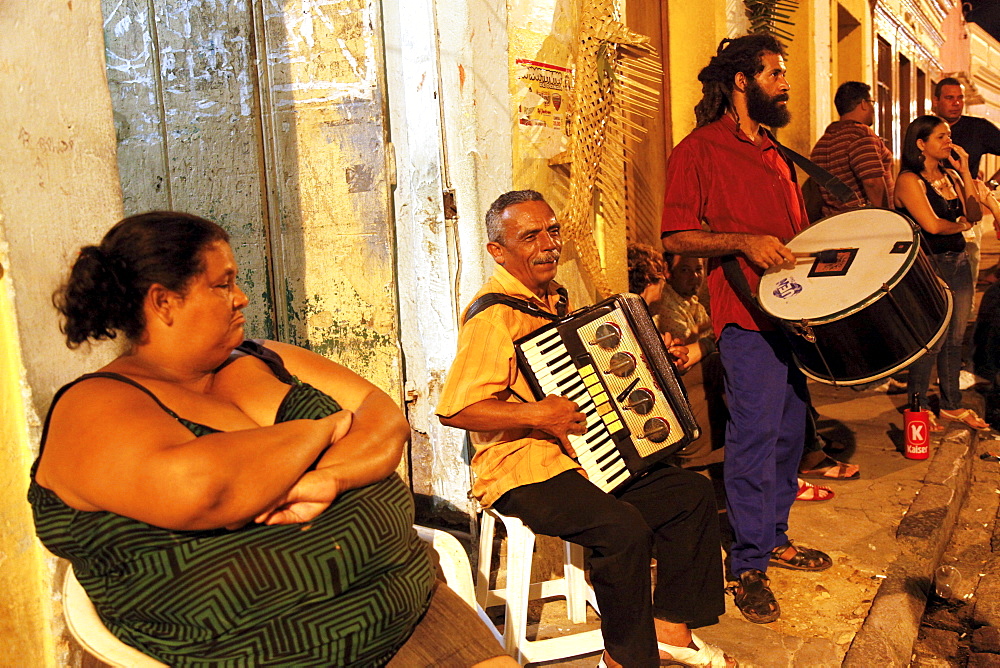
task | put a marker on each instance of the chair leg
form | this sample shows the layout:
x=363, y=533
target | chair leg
x=487, y=528
x=576, y=585
x=520, y=550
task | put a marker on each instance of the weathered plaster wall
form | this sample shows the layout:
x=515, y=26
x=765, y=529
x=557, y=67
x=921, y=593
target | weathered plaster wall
x=183, y=84
x=58, y=179
x=448, y=108
x=58, y=191
x=26, y=607
x=334, y=234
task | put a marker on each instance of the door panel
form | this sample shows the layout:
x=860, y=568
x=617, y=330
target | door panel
x=268, y=117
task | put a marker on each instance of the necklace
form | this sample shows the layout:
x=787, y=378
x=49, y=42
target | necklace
x=753, y=136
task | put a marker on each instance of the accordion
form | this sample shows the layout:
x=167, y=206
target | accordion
x=610, y=359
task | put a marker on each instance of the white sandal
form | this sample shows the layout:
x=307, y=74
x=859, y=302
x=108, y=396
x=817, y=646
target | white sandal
x=708, y=656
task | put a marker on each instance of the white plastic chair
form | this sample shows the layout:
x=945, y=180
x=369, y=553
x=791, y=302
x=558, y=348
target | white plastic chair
x=86, y=626
x=520, y=590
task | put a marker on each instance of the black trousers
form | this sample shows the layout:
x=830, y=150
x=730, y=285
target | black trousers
x=669, y=509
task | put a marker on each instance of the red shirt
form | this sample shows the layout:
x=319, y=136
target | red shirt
x=718, y=177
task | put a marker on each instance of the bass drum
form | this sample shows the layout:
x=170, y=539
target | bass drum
x=862, y=299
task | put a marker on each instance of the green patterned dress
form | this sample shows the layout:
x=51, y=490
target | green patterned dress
x=343, y=590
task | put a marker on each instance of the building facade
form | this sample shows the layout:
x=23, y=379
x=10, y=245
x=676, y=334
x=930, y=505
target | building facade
x=351, y=147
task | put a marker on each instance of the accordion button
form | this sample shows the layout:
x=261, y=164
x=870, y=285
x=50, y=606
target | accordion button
x=640, y=401
x=607, y=336
x=622, y=364
x=656, y=429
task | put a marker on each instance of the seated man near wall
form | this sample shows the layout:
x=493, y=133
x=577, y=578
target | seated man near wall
x=525, y=465
x=682, y=319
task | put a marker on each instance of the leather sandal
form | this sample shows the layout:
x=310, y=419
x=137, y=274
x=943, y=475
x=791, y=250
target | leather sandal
x=810, y=492
x=800, y=558
x=753, y=596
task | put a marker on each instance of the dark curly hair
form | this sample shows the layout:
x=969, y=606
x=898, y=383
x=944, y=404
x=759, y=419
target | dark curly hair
x=742, y=54
x=645, y=267
x=107, y=284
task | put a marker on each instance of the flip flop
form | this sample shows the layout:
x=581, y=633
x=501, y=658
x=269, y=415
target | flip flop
x=811, y=492
x=830, y=469
x=966, y=416
x=706, y=656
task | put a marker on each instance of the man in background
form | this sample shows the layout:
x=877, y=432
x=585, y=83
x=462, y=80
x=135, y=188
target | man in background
x=976, y=135
x=851, y=151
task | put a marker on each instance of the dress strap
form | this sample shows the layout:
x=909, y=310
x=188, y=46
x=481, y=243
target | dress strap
x=255, y=348
x=98, y=374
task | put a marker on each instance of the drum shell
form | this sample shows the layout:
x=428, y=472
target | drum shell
x=879, y=337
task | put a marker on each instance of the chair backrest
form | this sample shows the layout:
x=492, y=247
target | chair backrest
x=86, y=626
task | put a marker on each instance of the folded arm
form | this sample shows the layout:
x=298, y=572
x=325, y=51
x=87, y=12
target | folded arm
x=111, y=447
x=911, y=194
x=369, y=452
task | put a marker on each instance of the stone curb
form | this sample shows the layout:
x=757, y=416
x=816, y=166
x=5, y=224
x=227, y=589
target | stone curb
x=889, y=631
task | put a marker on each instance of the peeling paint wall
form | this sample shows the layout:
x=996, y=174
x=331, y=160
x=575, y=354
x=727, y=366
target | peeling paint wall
x=334, y=243
x=449, y=115
x=58, y=191
x=267, y=117
x=183, y=85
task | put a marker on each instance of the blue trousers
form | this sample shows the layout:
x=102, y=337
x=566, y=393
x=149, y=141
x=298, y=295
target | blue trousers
x=767, y=398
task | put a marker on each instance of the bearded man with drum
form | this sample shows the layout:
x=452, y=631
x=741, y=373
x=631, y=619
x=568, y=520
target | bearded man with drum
x=730, y=192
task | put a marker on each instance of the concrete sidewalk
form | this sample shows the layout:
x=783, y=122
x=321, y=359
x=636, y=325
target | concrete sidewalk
x=885, y=531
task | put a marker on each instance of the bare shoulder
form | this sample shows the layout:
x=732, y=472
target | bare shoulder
x=95, y=422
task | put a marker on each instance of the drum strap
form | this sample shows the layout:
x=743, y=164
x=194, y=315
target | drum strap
x=837, y=188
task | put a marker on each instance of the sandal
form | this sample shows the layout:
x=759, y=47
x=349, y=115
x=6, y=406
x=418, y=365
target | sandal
x=811, y=492
x=829, y=468
x=707, y=656
x=966, y=416
x=800, y=558
x=754, y=597
x=935, y=427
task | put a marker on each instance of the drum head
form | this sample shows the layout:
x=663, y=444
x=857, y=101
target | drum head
x=842, y=263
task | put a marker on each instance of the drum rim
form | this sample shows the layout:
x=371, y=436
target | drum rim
x=872, y=297
x=899, y=367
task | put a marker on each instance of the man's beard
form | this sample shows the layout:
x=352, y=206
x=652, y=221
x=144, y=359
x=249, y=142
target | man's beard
x=765, y=109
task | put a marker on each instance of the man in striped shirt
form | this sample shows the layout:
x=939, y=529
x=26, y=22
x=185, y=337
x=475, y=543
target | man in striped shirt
x=851, y=151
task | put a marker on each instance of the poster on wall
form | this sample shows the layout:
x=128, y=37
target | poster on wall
x=544, y=106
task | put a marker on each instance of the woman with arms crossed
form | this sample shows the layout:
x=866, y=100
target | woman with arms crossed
x=227, y=502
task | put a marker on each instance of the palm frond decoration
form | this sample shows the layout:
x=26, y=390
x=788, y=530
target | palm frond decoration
x=618, y=75
x=771, y=16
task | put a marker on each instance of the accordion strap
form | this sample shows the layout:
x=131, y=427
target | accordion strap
x=494, y=298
